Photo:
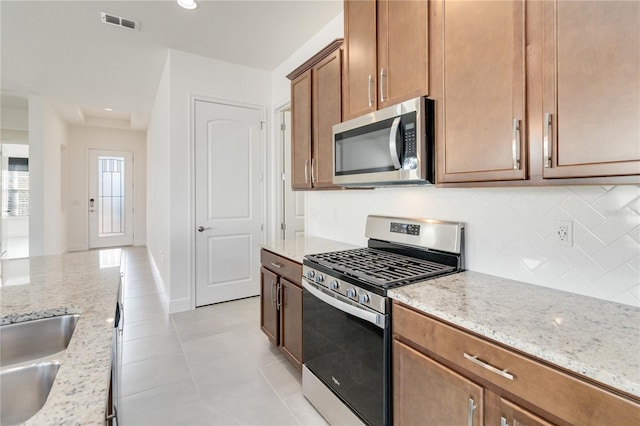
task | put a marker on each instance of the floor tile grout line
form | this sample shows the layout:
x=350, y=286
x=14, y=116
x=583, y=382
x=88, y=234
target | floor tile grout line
x=276, y=392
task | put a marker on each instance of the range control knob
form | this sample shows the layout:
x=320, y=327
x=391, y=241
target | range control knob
x=351, y=293
x=363, y=298
x=319, y=278
x=311, y=274
x=334, y=285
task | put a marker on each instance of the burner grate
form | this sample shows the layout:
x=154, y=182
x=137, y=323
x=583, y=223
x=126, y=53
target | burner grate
x=379, y=267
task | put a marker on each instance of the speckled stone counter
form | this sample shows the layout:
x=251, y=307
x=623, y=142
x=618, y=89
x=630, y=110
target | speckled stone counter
x=296, y=248
x=84, y=283
x=591, y=337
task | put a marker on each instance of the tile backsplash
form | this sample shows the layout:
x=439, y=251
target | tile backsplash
x=510, y=231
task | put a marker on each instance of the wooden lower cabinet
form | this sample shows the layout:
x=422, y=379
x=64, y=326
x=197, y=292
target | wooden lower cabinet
x=442, y=371
x=281, y=304
x=291, y=322
x=426, y=392
x=269, y=320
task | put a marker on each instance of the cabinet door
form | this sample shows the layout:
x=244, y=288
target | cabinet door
x=301, y=131
x=591, y=90
x=359, y=96
x=291, y=322
x=269, y=304
x=482, y=87
x=514, y=415
x=403, y=71
x=426, y=392
x=327, y=111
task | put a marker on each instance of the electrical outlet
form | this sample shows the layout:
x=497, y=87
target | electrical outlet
x=563, y=233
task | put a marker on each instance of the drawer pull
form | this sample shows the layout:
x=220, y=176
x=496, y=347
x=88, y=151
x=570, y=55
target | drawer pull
x=475, y=360
x=276, y=265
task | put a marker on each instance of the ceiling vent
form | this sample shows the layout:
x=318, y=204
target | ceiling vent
x=119, y=21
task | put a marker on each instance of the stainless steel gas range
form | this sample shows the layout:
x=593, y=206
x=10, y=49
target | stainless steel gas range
x=347, y=315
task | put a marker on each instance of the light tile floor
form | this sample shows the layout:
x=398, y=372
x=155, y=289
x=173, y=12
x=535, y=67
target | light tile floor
x=208, y=366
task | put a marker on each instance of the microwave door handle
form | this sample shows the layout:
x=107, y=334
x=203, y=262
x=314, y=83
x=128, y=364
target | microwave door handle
x=393, y=147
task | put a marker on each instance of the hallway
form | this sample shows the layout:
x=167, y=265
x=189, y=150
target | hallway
x=209, y=366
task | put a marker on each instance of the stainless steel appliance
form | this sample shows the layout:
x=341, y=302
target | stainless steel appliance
x=390, y=146
x=113, y=397
x=347, y=314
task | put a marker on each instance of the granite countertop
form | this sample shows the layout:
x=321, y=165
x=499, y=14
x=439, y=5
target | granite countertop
x=84, y=283
x=296, y=248
x=594, y=338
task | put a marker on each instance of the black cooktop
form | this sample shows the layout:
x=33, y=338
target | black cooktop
x=379, y=267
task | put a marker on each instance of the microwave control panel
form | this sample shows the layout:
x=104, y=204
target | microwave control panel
x=410, y=160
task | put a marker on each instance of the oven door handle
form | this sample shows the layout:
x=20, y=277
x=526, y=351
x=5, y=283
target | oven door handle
x=373, y=318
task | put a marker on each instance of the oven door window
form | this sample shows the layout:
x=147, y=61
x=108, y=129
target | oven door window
x=348, y=355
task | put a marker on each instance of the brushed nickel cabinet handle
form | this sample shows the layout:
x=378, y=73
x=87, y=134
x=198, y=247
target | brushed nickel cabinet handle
x=369, y=90
x=382, y=76
x=306, y=171
x=548, y=121
x=273, y=299
x=503, y=421
x=472, y=407
x=515, y=144
x=279, y=297
x=314, y=178
x=276, y=265
x=475, y=360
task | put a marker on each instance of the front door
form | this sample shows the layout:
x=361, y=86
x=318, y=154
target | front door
x=228, y=191
x=110, y=198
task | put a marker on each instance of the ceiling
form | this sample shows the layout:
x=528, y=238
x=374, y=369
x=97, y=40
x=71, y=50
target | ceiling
x=63, y=51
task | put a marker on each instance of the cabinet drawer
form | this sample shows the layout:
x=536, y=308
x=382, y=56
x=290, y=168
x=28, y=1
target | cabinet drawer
x=282, y=266
x=569, y=398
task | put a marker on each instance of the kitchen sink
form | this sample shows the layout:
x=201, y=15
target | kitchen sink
x=24, y=390
x=31, y=340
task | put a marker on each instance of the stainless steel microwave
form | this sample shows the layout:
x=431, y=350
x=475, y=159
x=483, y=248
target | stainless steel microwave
x=391, y=146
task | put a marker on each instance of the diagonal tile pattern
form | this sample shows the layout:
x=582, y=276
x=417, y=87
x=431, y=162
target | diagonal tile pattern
x=510, y=230
x=208, y=366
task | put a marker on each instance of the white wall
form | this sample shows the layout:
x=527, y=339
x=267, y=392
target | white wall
x=188, y=76
x=158, y=178
x=48, y=136
x=14, y=119
x=81, y=140
x=509, y=230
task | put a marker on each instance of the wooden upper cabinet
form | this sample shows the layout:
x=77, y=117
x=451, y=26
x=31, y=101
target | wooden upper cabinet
x=316, y=105
x=481, y=87
x=386, y=53
x=327, y=111
x=301, y=131
x=403, y=71
x=591, y=88
x=359, y=96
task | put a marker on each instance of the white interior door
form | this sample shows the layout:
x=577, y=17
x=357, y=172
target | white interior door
x=293, y=226
x=228, y=189
x=110, y=198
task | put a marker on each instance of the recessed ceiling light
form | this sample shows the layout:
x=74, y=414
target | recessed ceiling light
x=188, y=4
x=108, y=109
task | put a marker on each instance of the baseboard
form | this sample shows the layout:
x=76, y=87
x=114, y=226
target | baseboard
x=179, y=305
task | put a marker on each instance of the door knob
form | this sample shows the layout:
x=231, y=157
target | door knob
x=202, y=228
